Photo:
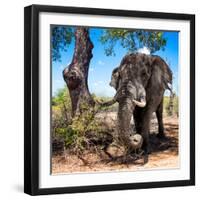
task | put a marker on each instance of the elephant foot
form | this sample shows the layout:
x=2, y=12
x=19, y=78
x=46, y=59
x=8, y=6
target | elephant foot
x=146, y=152
x=161, y=136
x=161, y=132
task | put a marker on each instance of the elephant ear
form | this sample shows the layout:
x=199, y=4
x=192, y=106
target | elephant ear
x=161, y=73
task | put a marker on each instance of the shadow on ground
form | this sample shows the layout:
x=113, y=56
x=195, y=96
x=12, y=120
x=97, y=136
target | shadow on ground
x=164, y=154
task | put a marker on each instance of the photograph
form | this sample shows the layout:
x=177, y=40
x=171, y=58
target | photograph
x=109, y=99
x=114, y=99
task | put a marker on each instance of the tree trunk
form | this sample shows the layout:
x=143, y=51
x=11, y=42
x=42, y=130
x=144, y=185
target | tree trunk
x=76, y=74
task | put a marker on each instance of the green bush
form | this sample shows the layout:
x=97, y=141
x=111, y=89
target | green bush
x=175, y=106
x=79, y=132
x=61, y=110
x=75, y=133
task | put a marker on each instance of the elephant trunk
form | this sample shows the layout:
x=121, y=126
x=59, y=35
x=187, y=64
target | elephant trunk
x=126, y=137
x=126, y=97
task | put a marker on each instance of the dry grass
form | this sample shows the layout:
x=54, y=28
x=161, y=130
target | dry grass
x=164, y=155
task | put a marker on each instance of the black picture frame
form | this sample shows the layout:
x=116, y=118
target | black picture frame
x=31, y=99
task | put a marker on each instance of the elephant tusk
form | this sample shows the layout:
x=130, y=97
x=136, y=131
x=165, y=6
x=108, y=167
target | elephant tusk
x=138, y=103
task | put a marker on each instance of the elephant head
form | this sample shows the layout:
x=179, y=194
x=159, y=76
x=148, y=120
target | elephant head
x=134, y=72
x=138, y=72
x=140, y=81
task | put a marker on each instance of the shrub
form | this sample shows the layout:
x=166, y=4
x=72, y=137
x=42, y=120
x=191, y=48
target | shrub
x=85, y=130
x=171, y=108
x=75, y=134
x=61, y=110
x=176, y=106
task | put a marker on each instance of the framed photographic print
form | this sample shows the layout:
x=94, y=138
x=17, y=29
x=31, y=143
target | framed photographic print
x=109, y=99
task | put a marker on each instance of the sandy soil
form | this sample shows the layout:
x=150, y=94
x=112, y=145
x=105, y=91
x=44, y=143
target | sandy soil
x=164, y=155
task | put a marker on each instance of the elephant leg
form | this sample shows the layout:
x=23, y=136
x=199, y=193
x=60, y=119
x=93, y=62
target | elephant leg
x=145, y=133
x=137, y=116
x=159, y=114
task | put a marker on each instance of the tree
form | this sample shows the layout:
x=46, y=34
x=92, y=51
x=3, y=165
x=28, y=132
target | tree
x=132, y=40
x=76, y=74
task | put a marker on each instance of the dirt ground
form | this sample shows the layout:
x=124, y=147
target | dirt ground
x=164, y=155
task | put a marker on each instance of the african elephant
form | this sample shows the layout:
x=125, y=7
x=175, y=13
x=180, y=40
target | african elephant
x=140, y=82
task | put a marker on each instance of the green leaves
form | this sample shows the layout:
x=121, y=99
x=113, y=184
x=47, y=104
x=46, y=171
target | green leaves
x=171, y=108
x=62, y=96
x=61, y=111
x=129, y=39
x=61, y=38
x=73, y=131
x=132, y=40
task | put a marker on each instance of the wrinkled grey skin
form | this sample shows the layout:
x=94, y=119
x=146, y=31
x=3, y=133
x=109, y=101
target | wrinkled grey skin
x=143, y=78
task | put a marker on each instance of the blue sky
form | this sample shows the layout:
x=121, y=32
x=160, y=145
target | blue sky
x=101, y=66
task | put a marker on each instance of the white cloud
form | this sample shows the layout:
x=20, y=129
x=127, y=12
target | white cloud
x=101, y=62
x=144, y=50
